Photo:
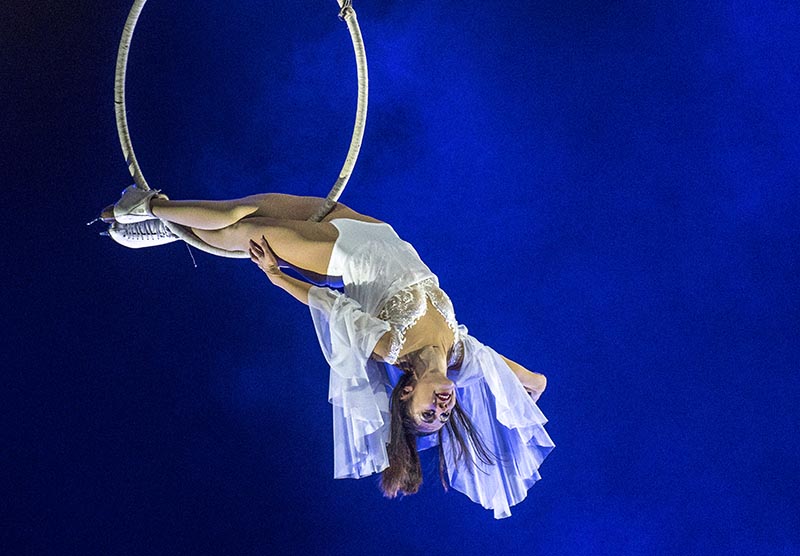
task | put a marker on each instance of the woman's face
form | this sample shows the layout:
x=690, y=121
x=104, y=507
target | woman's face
x=431, y=401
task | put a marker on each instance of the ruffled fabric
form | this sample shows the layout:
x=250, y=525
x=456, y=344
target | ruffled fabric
x=509, y=422
x=357, y=388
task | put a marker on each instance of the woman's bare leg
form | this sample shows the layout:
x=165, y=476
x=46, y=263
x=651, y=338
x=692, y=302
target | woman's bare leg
x=215, y=215
x=295, y=207
x=202, y=215
x=281, y=218
x=305, y=245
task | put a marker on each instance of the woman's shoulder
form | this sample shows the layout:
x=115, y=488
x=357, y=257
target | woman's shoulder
x=383, y=349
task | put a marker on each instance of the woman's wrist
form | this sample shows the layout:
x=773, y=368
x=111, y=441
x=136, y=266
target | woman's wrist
x=296, y=288
x=275, y=276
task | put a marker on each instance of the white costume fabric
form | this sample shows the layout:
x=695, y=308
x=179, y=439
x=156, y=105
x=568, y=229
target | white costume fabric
x=376, y=266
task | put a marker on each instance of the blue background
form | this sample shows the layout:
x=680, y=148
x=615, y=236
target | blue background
x=607, y=190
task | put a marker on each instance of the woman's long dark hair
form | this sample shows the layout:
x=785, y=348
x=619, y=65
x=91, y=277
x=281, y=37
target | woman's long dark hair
x=404, y=474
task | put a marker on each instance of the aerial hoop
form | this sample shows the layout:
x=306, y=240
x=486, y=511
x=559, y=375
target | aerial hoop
x=346, y=14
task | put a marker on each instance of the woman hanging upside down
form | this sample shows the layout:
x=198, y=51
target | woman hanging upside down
x=404, y=374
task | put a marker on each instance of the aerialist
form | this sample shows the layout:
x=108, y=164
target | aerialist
x=438, y=384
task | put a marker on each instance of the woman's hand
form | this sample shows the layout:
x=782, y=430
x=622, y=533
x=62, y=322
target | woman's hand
x=535, y=385
x=263, y=255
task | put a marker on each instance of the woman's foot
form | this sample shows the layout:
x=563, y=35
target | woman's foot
x=147, y=233
x=134, y=205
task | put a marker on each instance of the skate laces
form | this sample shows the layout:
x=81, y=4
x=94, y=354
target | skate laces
x=146, y=229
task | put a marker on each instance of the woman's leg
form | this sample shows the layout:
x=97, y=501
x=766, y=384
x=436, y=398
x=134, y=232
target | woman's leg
x=281, y=218
x=304, y=245
x=202, y=215
x=215, y=215
x=295, y=207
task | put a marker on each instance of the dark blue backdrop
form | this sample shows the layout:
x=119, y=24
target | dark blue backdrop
x=607, y=190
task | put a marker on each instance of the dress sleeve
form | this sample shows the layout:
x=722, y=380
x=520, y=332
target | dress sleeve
x=358, y=385
x=510, y=424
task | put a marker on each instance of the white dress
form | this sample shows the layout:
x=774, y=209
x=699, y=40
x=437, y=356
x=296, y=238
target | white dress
x=384, y=277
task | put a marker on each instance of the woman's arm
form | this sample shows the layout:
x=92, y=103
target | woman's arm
x=382, y=348
x=296, y=288
x=262, y=254
x=534, y=383
x=265, y=258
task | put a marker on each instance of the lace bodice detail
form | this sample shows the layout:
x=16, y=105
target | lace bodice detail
x=406, y=307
